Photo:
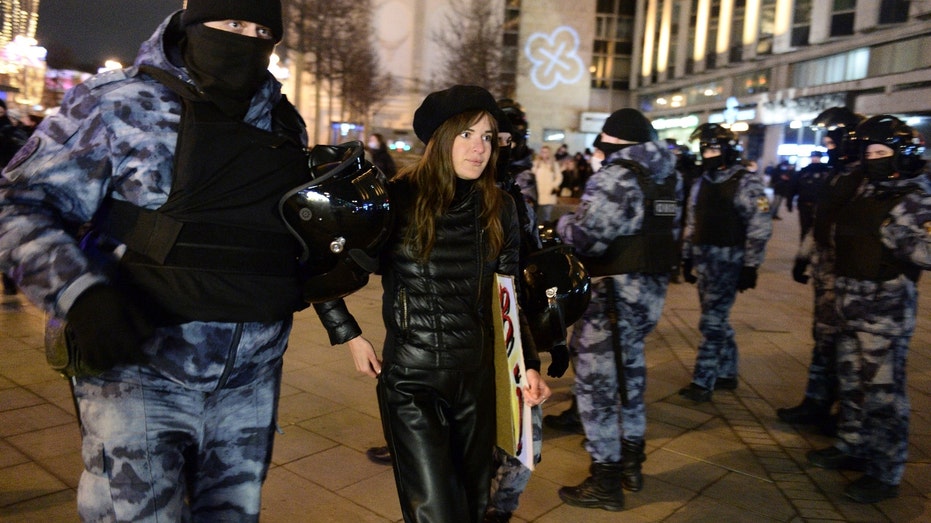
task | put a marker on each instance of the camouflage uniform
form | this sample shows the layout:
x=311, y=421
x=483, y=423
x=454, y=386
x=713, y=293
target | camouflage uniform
x=877, y=320
x=822, y=373
x=189, y=434
x=612, y=205
x=511, y=476
x=718, y=268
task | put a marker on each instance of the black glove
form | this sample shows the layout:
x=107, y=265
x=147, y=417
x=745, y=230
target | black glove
x=747, y=279
x=687, y=271
x=106, y=329
x=798, y=270
x=560, y=355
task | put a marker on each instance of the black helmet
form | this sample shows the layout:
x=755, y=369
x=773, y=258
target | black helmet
x=840, y=125
x=518, y=118
x=548, y=236
x=906, y=143
x=715, y=136
x=341, y=218
x=555, y=292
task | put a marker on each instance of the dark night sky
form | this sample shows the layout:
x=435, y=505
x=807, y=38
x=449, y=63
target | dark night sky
x=82, y=34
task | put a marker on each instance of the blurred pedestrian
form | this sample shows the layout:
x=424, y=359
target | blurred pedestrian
x=625, y=229
x=883, y=240
x=436, y=389
x=177, y=346
x=548, y=176
x=782, y=182
x=728, y=223
x=381, y=156
x=808, y=187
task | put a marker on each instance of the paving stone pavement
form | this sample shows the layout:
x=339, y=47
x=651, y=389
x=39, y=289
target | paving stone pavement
x=728, y=460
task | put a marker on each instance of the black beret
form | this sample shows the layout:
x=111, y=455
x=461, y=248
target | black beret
x=262, y=12
x=440, y=106
x=629, y=125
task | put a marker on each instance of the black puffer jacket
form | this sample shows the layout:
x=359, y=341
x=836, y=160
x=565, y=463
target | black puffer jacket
x=438, y=314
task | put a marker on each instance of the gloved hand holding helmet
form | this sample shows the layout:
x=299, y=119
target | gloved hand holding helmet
x=341, y=217
x=555, y=291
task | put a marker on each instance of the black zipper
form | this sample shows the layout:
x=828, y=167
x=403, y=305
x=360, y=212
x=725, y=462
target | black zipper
x=230, y=357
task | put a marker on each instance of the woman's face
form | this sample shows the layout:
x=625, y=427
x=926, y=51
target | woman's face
x=472, y=149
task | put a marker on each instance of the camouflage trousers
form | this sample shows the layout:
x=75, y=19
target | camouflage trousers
x=718, y=269
x=822, y=371
x=878, y=320
x=156, y=451
x=511, y=477
x=598, y=385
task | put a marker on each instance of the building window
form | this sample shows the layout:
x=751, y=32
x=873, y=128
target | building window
x=843, y=67
x=900, y=57
x=801, y=23
x=893, y=11
x=612, y=45
x=842, y=17
x=752, y=83
x=764, y=43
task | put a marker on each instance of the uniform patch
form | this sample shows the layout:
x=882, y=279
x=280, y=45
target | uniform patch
x=927, y=226
x=762, y=204
x=665, y=207
x=27, y=150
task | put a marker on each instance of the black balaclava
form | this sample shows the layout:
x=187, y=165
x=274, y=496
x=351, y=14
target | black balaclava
x=713, y=163
x=611, y=148
x=228, y=67
x=880, y=169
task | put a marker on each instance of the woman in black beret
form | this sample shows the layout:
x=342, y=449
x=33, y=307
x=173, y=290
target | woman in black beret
x=454, y=230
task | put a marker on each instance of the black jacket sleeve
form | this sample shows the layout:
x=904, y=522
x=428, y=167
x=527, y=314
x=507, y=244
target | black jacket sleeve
x=338, y=322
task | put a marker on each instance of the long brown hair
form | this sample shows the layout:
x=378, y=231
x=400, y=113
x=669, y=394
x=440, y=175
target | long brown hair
x=433, y=180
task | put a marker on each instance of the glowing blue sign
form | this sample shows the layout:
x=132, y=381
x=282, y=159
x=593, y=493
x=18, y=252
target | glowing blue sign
x=555, y=58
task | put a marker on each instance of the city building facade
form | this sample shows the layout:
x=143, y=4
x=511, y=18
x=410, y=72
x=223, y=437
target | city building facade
x=765, y=67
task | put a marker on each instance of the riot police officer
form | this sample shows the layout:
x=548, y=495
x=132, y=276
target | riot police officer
x=728, y=223
x=883, y=241
x=817, y=249
x=625, y=229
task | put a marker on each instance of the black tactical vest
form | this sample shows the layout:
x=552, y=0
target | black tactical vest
x=860, y=252
x=217, y=250
x=717, y=221
x=653, y=250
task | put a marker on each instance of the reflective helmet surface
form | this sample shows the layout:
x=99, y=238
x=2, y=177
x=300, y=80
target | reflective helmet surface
x=840, y=125
x=555, y=291
x=548, y=236
x=906, y=143
x=715, y=136
x=341, y=217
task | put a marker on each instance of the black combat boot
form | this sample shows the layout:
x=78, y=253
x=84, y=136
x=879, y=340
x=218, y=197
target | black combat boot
x=808, y=412
x=600, y=490
x=632, y=456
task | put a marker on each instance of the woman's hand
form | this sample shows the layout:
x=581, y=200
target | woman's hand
x=536, y=391
x=363, y=355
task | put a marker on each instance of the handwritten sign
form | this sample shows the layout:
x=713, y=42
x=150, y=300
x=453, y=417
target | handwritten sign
x=515, y=434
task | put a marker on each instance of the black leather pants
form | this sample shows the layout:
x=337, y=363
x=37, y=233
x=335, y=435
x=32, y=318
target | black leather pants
x=440, y=428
